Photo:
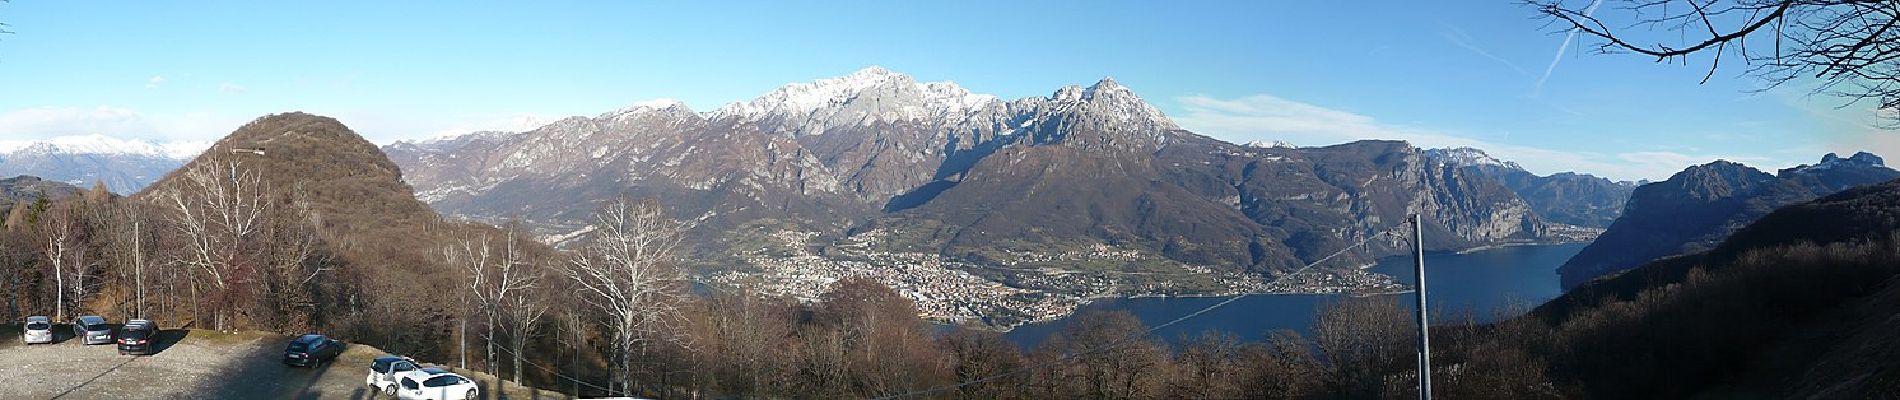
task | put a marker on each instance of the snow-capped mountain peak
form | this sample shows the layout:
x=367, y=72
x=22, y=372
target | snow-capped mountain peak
x=649, y=106
x=106, y=145
x=1106, y=85
x=1277, y=144
x=868, y=95
x=1467, y=157
x=1109, y=99
x=123, y=165
x=1832, y=161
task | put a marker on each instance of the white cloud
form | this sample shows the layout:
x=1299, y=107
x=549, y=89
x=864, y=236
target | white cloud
x=190, y=131
x=60, y=121
x=1266, y=117
x=466, y=124
x=155, y=82
x=233, y=89
x=42, y=123
x=389, y=126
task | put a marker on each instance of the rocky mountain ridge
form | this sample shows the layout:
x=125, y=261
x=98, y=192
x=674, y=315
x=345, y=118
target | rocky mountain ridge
x=967, y=175
x=1580, y=200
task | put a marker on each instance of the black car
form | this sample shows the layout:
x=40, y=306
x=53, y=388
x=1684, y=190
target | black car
x=136, y=337
x=311, y=350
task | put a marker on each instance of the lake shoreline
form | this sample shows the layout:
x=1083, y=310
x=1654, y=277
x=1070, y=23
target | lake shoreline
x=1479, y=282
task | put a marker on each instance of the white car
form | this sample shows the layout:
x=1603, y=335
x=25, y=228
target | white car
x=435, y=384
x=384, y=371
x=38, y=330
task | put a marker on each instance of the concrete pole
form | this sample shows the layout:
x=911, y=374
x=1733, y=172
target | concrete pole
x=1424, y=334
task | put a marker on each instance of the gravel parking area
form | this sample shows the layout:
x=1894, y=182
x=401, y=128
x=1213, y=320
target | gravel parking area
x=189, y=365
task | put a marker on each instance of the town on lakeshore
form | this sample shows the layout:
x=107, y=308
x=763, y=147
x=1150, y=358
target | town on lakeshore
x=1032, y=288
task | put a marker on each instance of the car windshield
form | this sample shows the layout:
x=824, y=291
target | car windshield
x=95, y=328
x=134, y=334
x=39, y=326
x=298, y=346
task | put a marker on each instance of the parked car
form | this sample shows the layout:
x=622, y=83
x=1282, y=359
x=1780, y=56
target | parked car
x=311, y=350
x=39, y=329
x=386, y=370
x=436, y=384
x=136, y=337
x=92, y=329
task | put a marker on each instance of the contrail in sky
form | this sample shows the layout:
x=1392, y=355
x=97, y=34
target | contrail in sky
x=1564, y=47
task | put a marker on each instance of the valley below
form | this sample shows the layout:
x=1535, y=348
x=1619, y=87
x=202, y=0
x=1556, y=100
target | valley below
x=1039, y=287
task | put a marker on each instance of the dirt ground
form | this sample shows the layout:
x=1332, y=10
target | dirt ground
x=191, y=364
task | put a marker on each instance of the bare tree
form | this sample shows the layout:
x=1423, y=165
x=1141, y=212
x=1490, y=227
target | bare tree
x=473, y=254
x=1361, y=338
x=500, y=280
x=628, y=272
x=66, y=237
x=524, y=312
x=219, y=209
x=1853, y=46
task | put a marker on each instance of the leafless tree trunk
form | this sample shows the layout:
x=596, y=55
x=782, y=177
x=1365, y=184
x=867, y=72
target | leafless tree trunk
x=219, y=208
x=627, y=271
x=476, y=257
x=501, y=282
x=520, y=295
x=67, y=233
x=524, y=317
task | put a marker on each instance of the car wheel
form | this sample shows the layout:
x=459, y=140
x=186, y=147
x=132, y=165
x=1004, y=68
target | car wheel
x=390, y=390
x=471, y=395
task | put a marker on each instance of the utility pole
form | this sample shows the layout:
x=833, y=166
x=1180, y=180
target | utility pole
x=138, y=262
x=1424, y=334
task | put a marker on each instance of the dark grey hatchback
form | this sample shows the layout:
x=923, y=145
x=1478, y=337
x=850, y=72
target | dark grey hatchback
x=136, y=337
x=311, y=350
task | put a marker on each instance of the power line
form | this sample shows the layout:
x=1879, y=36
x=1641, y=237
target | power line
x=504, y=349
x=1131, y=338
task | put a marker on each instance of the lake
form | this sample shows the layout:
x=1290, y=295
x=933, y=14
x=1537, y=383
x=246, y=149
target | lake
x=1483, y=283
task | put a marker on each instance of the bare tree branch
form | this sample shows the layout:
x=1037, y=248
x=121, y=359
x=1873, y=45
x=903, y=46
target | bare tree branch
x=1851, y=46
x=628, y=271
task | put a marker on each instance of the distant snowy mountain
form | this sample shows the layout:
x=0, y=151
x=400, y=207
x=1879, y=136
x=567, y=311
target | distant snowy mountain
x=1277, y=144
x=124, y=165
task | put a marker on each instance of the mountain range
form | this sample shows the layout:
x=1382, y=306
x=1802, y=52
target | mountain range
x=123, y=165
x=931, y=167
x=1695, y=209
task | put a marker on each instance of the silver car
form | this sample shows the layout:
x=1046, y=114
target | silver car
x=39, y=329
x=93, y=329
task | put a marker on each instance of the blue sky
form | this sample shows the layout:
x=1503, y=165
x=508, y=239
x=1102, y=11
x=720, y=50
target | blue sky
x=1309, y=72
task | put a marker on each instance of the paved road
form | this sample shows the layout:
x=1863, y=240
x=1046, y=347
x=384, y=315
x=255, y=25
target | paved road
x=189, y=365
